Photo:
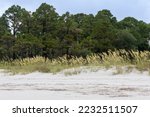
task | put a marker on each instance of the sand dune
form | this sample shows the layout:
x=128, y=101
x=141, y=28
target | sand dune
x=101, y=84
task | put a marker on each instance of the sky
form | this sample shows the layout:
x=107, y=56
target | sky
x=139, y=9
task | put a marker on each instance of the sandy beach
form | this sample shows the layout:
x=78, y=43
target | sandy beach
x=99, y=85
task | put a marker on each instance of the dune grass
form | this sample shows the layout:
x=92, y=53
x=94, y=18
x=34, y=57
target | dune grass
x=117, y=58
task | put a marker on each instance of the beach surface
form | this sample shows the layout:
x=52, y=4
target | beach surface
x=86, y=85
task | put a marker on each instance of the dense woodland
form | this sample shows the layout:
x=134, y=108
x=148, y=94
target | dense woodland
x=46, y=33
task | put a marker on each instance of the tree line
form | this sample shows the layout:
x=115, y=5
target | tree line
x=46, y=33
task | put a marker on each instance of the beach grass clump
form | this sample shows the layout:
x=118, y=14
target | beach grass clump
x=117, y=58
x=141, y=60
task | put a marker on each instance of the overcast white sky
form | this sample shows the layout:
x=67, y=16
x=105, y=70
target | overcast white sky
x=139, y=9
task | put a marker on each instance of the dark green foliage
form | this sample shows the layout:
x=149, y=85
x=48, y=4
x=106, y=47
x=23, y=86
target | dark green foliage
x=28, y=46
x=6, y=47
x=125, y=40
x=45, y=19
x=45, y=33
x=14, y=16
x=4, y=29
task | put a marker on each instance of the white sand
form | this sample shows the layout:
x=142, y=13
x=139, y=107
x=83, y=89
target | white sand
x=101, y=84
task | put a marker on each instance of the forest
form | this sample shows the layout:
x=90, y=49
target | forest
x=45, y=33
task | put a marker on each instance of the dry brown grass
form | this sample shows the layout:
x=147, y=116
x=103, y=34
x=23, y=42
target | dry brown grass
x=117, y=58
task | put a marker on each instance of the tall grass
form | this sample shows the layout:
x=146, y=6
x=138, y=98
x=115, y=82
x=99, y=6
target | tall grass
x=117, y=58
